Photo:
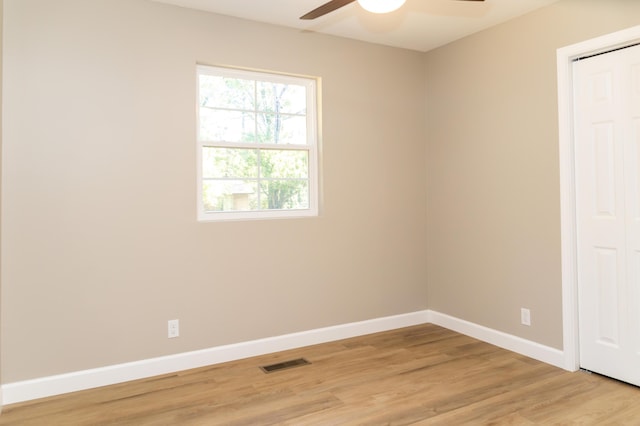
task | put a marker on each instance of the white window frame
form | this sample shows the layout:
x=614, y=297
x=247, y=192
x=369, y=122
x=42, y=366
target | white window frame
x=311, y=146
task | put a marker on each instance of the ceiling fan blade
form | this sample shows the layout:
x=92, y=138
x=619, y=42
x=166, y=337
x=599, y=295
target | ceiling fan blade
x=326, y=8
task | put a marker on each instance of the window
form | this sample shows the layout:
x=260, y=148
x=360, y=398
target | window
x=257, y=145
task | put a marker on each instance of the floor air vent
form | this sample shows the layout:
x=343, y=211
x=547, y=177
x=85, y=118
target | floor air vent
x=284, y=365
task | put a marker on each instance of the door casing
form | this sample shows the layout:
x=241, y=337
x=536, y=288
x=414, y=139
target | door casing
x=565, y=57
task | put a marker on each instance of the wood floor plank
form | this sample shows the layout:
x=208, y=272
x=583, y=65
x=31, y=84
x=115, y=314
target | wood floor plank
x=422, y=375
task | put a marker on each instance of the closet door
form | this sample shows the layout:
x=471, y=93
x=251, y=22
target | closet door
x=607, y=155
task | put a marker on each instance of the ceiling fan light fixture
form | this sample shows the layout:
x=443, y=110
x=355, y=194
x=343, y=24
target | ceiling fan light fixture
x=381, y=6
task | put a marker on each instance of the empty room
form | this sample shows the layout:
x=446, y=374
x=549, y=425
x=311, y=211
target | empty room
x=216, y=212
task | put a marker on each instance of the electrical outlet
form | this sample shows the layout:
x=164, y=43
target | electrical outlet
x=525, y=316
x=173, y=328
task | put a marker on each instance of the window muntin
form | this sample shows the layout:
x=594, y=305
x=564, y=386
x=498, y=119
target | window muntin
x=257, y=145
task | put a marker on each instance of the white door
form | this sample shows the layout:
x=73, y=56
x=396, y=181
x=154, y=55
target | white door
x=607, y=153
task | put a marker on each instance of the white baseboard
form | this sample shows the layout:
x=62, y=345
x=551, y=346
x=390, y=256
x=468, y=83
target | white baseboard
x=64, y=383
x=510, y=342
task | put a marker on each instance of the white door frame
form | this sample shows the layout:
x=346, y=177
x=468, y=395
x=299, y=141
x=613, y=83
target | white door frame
x=565, y=57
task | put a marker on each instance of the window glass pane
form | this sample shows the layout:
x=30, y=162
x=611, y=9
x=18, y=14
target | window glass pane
x=282, y=129
x=281, y=98
x=226, y=126
x=225, y=92
x=284, y=164
x=229, y=195
x=281, y=194
x=229, y=163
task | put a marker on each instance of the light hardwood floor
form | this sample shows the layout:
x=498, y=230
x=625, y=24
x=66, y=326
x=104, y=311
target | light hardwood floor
x=423, y=375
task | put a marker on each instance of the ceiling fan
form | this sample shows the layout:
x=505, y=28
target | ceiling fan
x=376, y=6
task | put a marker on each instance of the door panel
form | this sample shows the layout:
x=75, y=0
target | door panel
x=607, y=291
x=607, y=153
x=605, y=165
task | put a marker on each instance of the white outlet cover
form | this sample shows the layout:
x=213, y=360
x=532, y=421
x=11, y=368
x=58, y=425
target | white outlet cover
x=173, y=329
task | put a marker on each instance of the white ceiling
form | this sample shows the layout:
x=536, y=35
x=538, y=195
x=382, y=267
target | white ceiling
x=419, y=25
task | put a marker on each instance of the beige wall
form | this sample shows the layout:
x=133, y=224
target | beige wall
x=1, y=62
x=493, y=167
x=100, y=242
x=100, y=246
